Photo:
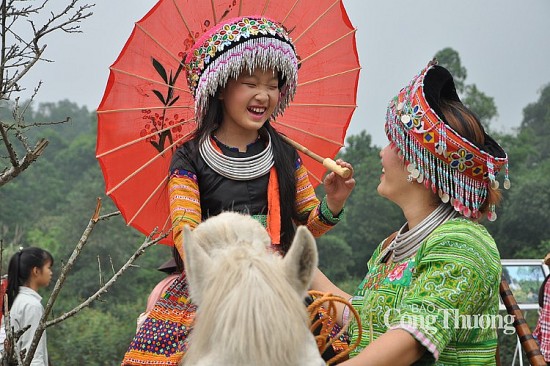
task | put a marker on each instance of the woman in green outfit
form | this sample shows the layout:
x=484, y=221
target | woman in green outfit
x=431, y=291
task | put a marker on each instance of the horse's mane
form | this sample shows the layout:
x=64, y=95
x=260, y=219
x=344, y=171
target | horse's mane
x=258, y=278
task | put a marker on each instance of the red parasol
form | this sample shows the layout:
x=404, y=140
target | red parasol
x=147, y=110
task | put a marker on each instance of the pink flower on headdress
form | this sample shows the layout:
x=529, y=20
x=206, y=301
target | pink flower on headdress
x=461, y=159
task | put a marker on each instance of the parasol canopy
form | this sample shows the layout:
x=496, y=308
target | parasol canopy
x=147, y=110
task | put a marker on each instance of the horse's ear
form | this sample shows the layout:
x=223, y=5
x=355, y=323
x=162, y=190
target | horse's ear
x=301, y=260
x=196, y=262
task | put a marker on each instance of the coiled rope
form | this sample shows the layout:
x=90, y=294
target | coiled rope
x=328, y=301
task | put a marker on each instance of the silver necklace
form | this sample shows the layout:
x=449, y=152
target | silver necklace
x=246, y=168
x=406, y=242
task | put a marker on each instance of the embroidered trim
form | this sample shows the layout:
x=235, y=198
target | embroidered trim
x=325, y=214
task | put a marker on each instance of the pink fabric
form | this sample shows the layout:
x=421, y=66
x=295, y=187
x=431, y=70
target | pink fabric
x=420, y=337
x=159, y=289
x=542, y=331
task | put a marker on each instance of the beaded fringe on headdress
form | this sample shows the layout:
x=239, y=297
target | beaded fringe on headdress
x=241, y=44
x=437, y=156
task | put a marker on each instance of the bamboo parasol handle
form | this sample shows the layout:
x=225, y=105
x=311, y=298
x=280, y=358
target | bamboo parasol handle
x=327, y=162
x=527, y=341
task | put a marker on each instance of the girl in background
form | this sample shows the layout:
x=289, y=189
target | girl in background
x=29, y=270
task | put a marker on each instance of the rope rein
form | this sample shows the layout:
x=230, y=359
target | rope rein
x=328, y=302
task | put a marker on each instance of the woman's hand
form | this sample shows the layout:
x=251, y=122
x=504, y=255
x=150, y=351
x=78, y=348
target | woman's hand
x=338, y=189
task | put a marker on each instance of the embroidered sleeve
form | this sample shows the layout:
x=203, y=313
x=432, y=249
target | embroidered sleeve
x=185, y=207
x=313, y=213
x=454, y=286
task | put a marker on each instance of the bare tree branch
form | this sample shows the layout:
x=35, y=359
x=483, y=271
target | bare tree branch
x=19, y=166
x=11, y=152
x=30, y=53
x=99, y=271
x=65, y=270
x=15, y=239
x=148, y=242
x=19, y=53
x=22, y=46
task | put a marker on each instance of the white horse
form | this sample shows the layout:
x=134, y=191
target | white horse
x=251, y=309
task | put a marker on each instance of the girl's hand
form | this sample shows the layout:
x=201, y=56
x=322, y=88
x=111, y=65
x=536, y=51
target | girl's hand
x=338, y=189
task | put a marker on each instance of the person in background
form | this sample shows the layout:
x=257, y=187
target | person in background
x=3, y=289
x=29, y=270
x=542, y=330
x=442, y=266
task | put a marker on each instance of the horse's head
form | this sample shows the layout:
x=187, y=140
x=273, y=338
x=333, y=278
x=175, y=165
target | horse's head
x=250, y=301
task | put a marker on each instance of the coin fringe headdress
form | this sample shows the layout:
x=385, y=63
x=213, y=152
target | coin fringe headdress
x=456, y=169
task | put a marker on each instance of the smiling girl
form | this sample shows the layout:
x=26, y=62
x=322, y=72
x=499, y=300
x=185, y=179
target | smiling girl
x=236, y=160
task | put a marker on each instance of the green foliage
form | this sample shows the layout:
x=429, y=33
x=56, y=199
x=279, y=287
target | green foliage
x=535, y=128
x=335, y=253
x=52, y=204
x=525, y=222
x=47, y=239
x=363, y=227
x=79, y=123
x=483, y=106
x=522, y=229
x=95, y=337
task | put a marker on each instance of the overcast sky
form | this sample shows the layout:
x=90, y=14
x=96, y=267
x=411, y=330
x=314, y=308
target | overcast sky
x=503, y=44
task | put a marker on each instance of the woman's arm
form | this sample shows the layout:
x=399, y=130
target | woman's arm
x=457, y=272
x=394, y=348
x=323, y=284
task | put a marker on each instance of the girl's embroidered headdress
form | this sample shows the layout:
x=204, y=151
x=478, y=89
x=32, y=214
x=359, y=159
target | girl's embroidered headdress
x=459, y=171
x=236, y=45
